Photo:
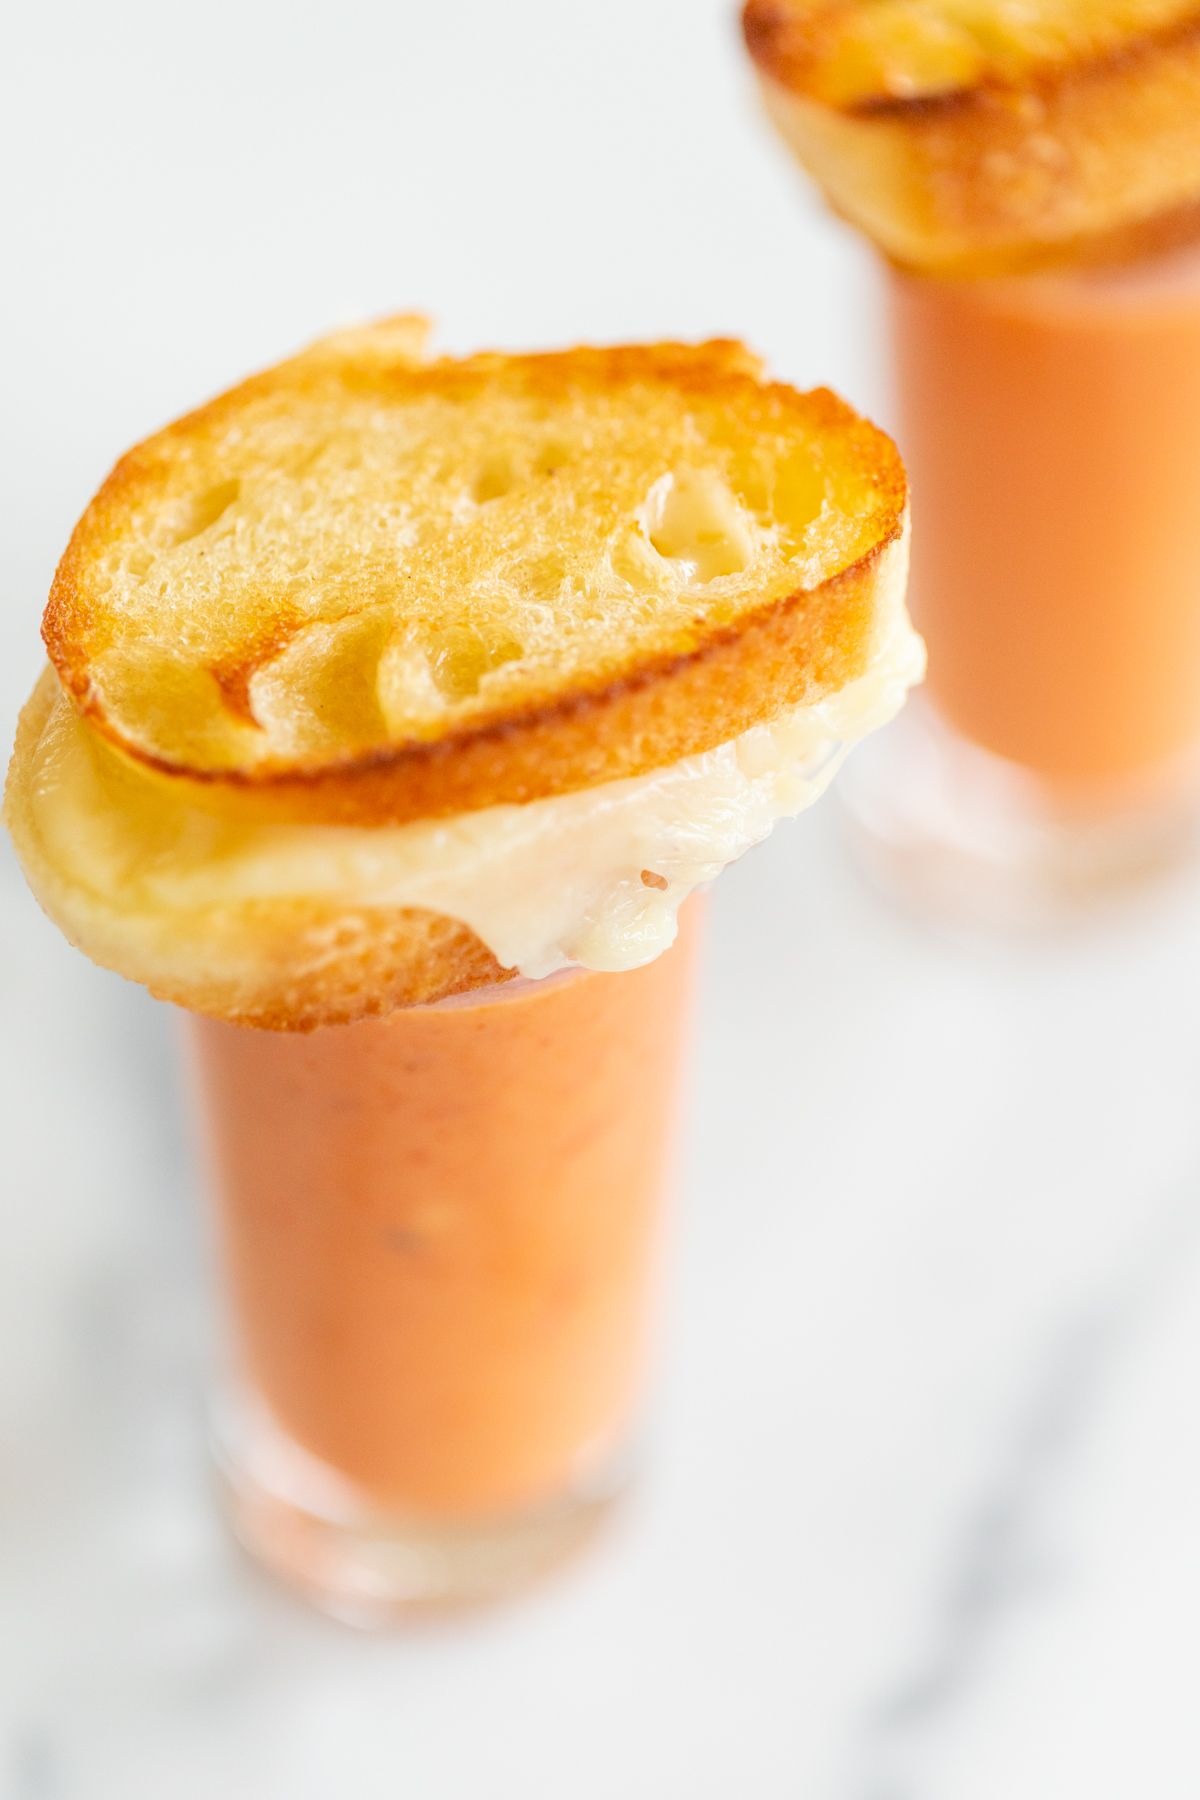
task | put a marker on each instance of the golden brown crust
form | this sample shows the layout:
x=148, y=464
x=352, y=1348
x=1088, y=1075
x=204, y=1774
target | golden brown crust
x=1090, y=157
x=703, y=680
x=378, y=962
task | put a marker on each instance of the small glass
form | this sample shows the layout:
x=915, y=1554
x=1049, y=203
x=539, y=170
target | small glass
x=1051, y=427
x=439, y=1233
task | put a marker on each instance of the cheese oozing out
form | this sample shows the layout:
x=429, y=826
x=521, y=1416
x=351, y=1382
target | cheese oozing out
x=592, y=878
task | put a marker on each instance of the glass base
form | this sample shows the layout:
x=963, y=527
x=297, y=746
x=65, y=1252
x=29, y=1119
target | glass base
x=365, y=1567
x=950, y=829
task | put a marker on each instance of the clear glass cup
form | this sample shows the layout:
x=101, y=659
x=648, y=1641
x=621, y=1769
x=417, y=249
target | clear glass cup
x=439, y=1233
x=1051, y=428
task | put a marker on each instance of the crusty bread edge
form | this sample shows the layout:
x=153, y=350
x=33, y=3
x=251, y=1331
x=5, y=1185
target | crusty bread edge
x=1092, y=162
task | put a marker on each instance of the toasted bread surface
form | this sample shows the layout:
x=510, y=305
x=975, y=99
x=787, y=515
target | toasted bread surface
x=977, y=136
x=362, y=587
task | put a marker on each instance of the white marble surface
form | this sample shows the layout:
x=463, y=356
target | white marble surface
x=920, y=1522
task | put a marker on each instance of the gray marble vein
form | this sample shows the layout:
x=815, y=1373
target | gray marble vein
x=1007, y=1557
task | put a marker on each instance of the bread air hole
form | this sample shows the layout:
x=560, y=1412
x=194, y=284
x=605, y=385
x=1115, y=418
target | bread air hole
x=203, y=510
x=317, y=695
x=493, y=479
x=501, y=472
x=461, y=661
x=693, y=521
x=420, y=672
x=175, y=706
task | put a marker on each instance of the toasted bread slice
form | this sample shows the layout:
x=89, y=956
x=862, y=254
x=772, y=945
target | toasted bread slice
x=361, y=587
x=979, y=136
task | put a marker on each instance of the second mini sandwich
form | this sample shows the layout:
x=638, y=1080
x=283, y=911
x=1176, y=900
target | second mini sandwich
x=977, y=135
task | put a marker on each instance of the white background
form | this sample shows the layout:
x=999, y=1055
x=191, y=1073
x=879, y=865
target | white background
x=921, y=1522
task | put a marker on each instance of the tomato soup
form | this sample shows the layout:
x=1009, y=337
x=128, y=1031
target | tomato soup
x=440, y=1229
x=1051, y=426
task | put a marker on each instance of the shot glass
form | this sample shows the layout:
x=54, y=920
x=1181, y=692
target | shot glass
x=439, y=1235
x=1051, y=425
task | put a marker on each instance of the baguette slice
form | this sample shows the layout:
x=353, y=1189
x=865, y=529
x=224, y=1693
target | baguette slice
x=358, y=594
x=362, y=587
x=982, y=136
